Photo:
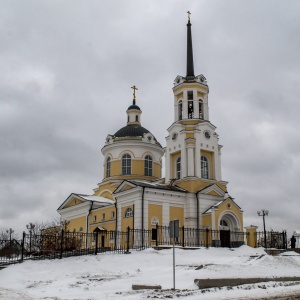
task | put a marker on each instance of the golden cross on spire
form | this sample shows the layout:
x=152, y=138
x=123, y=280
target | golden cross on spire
x=189, y=14
x=134, y=89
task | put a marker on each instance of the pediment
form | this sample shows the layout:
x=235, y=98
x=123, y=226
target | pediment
x=213, y=190
x=72, y=200
x=124, y=186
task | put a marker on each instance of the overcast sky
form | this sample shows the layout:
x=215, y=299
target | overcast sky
x=66, y=72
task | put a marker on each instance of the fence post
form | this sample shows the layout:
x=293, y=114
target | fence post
x=284, y=239
x=23, y=246
x=128, y=237
x=206, y=237
x=182, y=236
x=61, y=243
x=96, y=248
x=156, y=241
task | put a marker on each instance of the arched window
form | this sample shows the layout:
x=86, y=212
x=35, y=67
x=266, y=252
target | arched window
x=178, y=167
x=126, y=164
x=136, y=118
x=191, y=109
x=200, y=109
x=223, y=223
x=148, y=165
x=190, y=104
x=180, y=110
x=128, y=212
x=204, y=167
x=108, y=167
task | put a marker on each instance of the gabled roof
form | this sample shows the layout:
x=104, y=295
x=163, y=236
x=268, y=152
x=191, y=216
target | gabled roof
x=152, y=185
x=101, y=201
x=213, y=187
x=218, y=204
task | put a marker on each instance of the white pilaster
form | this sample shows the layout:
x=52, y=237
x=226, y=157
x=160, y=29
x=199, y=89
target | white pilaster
x=165, y=214
x=183, y=162
x=190, y=160
x=185, y=105
x=197, y=154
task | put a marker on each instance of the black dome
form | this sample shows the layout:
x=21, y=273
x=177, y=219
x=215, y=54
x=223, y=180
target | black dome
x=133, y=106
x=131, y=130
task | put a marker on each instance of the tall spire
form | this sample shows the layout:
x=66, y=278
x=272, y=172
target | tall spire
x=189, y=61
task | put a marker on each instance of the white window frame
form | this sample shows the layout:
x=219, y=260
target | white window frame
x=126, y=164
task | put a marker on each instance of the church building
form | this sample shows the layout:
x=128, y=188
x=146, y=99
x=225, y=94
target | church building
x=135, y=194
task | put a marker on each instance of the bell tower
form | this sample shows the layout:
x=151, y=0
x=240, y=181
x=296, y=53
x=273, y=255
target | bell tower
x=192, y=150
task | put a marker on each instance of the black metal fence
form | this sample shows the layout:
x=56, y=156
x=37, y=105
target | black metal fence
x=64, y=244
x=271, y=239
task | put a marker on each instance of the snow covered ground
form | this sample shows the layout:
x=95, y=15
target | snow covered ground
x=110, y=276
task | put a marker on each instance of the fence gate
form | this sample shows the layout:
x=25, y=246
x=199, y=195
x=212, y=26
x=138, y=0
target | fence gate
x=278, y=240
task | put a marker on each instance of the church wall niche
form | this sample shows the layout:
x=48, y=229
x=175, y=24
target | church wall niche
x=127, y=220
x=154, y=212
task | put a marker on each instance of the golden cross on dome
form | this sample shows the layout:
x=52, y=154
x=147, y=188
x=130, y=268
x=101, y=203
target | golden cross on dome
x=189, y=14
x=134, y=89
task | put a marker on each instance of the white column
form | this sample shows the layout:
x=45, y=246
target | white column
x=183, y=162
x=213, y=220
x=190, y=160
x=165, y=214
x=175, y=109
x=168, y=174
x=196, y=105
x=119, y=216
x=137, y=214
x=197, y=155
x=185, y=105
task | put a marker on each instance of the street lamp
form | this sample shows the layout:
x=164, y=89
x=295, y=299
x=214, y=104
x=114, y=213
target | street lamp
x=30, y=228
x=263, y=213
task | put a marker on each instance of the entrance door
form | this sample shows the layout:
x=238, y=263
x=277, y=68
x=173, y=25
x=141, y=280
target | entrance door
x=225, y=238
x=102, y=240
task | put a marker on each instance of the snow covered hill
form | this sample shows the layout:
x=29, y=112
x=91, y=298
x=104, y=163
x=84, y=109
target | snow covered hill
x=111, y=276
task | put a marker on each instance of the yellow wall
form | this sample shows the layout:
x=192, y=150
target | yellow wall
x=76, y=223
x=137, y=168
x=177, y=213
x=198, y=184
x=108, y=223
x=154, y=210
x=104, y=187
x=206, y=220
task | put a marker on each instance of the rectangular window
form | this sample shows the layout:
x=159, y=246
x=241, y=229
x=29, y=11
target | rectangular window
x=95, y=218
x=190, y=109
x=112, y=214
x=111, y=235
x=103, y=216
x=190, y=95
